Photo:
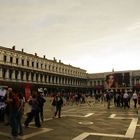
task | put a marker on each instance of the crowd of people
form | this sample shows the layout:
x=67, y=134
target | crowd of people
x=12, y=110
x=121, y=98
x=12, y=104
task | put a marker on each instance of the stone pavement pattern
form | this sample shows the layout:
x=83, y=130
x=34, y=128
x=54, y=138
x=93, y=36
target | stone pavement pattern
x=83, y=122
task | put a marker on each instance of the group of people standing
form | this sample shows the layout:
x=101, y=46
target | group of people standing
x=36, y=101
x=13, y=110
x=12, y=104
x=122, y=99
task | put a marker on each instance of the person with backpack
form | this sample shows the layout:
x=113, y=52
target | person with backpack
x=34, y=113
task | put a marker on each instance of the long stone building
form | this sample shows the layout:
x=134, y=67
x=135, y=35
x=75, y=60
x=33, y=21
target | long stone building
x=129, y=79
x=25, y=71
x=19, y=69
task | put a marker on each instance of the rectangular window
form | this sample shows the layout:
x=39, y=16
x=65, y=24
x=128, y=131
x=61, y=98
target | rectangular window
x=28, y=63
x=5, y=58
x=17, y=61
x=37, y=65
x=22, y=62
x=11, y=59
x=32, y=64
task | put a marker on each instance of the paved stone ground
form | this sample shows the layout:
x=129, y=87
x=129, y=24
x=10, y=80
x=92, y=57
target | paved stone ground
x=88, y=121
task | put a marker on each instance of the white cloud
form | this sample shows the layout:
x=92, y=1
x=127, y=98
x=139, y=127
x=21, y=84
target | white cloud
x=134, y=26
x=92, y=34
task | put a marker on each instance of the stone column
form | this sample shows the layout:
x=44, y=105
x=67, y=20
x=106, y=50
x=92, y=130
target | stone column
x=19, y=61
x=47, y=80
x=1, y=57
x=50, y=79
x=54, y=79
x=13, y=75
x=19, y=75
x=8, y=59
x=1, y=73
x=38, y=77
x=24, y=76
x=29, y=76
x=7, y=74
x=64, y=81
x=34, y=79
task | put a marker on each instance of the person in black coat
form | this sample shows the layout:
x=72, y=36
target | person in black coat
x=59, y=104
x=41, y=102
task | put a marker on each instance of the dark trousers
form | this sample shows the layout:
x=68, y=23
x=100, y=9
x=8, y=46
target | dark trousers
x=41, y=113
x=20, y=130
x=58, y=110
x=14, y=123
x=135, y=103
x=30, y=116
x=2, y=111
x=126, y=103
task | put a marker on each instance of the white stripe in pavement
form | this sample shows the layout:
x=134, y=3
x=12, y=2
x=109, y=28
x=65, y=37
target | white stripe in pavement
x=112, y=116
x=132, y=128
x=84, y=135
x=72, y=116
x=129, y=133
x=89, y=114
x=40, y=131
x=108, y=135
x=34, y=134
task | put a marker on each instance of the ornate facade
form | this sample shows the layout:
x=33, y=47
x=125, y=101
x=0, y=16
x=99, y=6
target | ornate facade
x=20, y=69
x=130, y=80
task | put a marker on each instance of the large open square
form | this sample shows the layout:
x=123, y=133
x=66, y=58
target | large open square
x=89, y=121
x=74, y=49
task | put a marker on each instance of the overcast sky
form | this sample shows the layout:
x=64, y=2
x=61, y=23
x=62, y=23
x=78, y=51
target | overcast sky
x=95, y=35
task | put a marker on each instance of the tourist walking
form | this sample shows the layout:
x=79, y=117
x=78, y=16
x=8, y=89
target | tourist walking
x=135, y=99
x=41, y=102
x=14, y=102
x=34, y=113
x=125, y=99
x=59, y=104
